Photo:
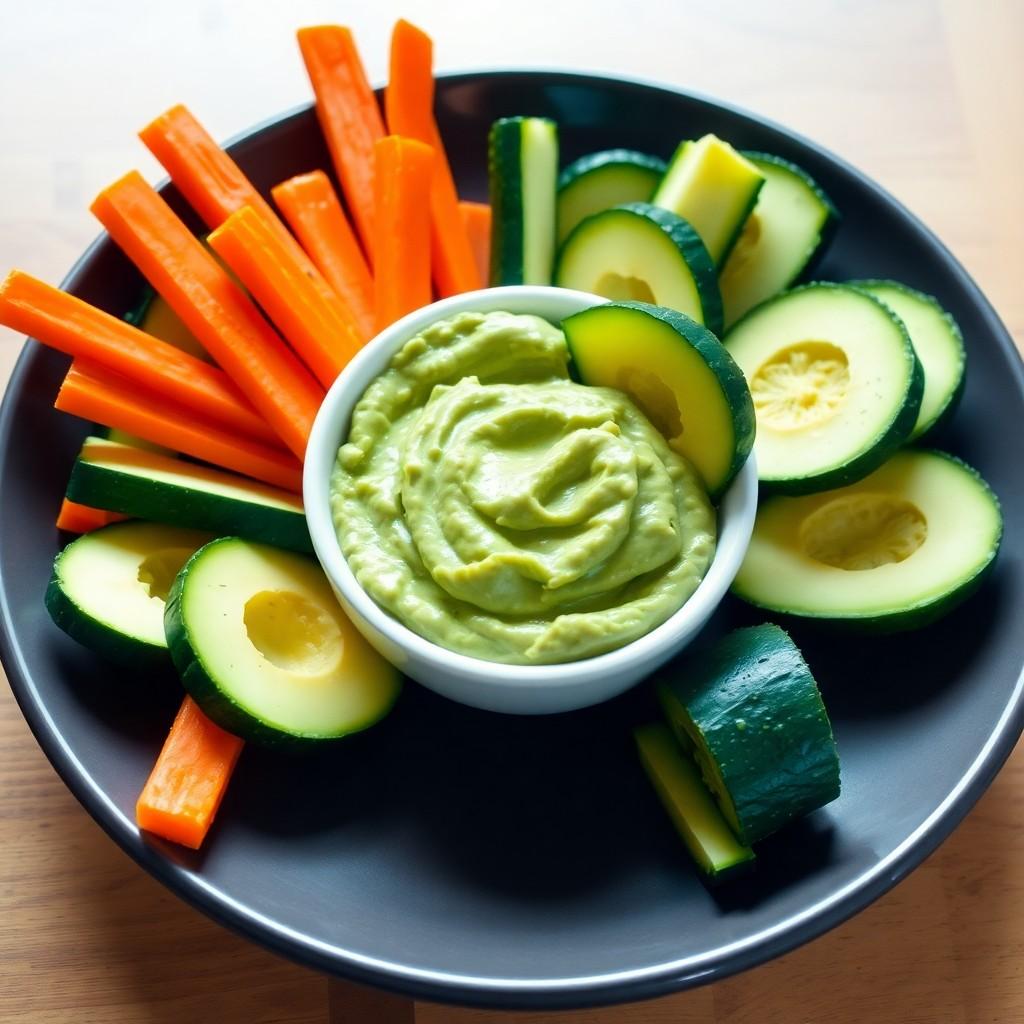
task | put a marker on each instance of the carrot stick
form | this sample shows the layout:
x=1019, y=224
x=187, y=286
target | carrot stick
x=70, y=325
x=401, y=179
x=189, y=779
x=303, y=306
x=313, y=211
x=77, y=518
x=212, y=306
x=409, y=105
x=95, y=393
x=349, y=117
x=207, y=177
x=477, y=219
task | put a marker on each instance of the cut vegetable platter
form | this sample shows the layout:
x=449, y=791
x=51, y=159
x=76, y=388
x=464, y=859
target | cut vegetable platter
x=488, y=859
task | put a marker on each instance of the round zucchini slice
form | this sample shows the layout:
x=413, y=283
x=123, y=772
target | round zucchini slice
x=108, y=588
x=835, y=382
x=750, y=712
x=894, y=551
x=265, y=650
x=678, y=373
x=642, y=252
x=939, y=346
x=790, y=225
x=602, y=180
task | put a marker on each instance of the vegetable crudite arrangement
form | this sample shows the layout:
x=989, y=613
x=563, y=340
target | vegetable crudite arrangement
x=511, y=489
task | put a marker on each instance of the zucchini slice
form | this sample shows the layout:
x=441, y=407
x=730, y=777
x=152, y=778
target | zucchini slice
x=700, y=824
x=523, y=168
x=639, y=251
x=602, y=180
x=939, y=346
x=678, y=373
x=893, y=551
x=265, y=650
x=108, y=589
x=712, y=186
x=789, y=227
x=149, y=485
x=750, y=711
x=835, y=381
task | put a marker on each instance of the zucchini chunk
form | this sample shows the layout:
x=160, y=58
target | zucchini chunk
x=835, y=382
x=750, y=712
x=699, y=822
x=939, y=346
x=678, y=373
x=791, y=223
x=894, y=551
x=150, y=485
x=639, y=251
x=523, y=168
x=108, y=589
x=263, y=647
x=602, y=180
x=712, y=186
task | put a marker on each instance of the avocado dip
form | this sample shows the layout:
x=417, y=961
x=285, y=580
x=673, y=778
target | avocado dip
x=502, y=511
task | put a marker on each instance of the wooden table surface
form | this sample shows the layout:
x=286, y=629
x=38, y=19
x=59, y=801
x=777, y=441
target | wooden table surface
x=927, y=97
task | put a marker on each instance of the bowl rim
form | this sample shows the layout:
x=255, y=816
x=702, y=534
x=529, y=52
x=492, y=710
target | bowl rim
x=510, y=993
x=735, y=514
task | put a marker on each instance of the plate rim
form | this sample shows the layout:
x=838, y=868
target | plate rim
x=474, y=990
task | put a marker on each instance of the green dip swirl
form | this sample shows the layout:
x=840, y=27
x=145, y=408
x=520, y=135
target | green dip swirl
x=502, y=511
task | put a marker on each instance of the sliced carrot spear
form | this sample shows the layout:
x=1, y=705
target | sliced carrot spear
x=402, y=274
x=77, y=518
x=70, y=325
x=212, y=306
x=303, y=306
x=313, y=211
x=348, y=115
x=207, y=177
x=189, y=779
x=95, y=393
x=477, y=219
x=409, y=105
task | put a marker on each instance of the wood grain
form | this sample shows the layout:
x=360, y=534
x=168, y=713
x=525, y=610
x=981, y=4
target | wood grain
x=927, y=97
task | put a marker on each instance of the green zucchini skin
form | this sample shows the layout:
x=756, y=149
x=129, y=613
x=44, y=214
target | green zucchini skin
x=508, y=160
x=73, y=619
x=587, y=184
x=161, y=502
x=885, y=444
x=751, y=711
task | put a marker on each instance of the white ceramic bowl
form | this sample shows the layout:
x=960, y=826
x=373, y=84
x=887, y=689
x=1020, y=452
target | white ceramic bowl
x=518, y=689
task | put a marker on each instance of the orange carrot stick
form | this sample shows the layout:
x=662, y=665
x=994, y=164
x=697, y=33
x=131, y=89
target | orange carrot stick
x=313, y=211
x=77, y=518
x=212, y=306
x=189, y=779
x=95, y=393
x=349, y=117
x=70, y=325
x=403, y=168
x=207, y=177
x=477, y=219
x=303, y=306
x=409, y=105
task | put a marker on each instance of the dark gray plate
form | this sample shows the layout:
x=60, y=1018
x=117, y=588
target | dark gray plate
x=469, y=857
